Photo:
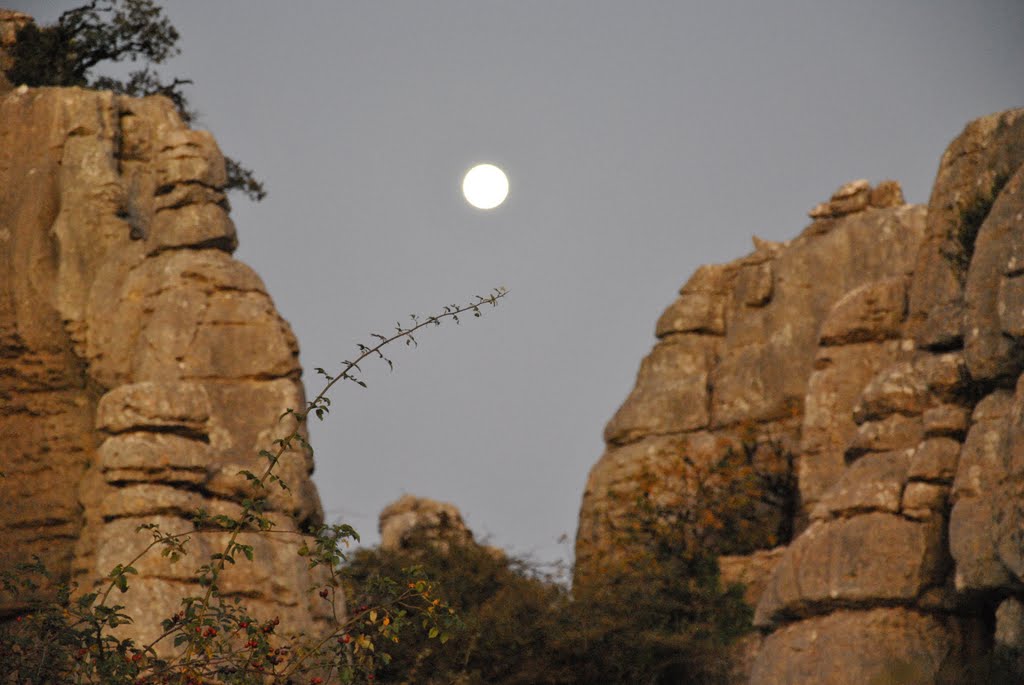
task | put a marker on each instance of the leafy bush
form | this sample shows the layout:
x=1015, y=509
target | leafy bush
x=657, y=613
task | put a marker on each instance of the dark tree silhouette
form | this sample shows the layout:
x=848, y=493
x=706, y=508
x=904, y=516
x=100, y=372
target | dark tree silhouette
x=102, y=31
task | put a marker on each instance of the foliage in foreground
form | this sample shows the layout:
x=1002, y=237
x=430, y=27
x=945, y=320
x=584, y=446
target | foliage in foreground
x=66, y=54
x=76, y=636
x=658, y=615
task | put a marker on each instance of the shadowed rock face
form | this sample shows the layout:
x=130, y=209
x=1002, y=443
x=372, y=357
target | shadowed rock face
x=881, y=352
x=410, y=521
x=141, y=366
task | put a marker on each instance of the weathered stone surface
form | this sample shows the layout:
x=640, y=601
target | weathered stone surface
x=899, y=389
x=864, y=560
x=753, y=571
x=848, y=198
x=873, y=483
x=671, y=393
x=1010, y=305
x=973, y=548
x=154, y=406
x=874, y=311
x=162, y=583
x=187, y=156
x=859, y=648
x=990, y=353
x=701, y=305
x=171, y=322
x=935, y=460
x=754, y=284
x=833, y=389
x=1010, y=624
x=981, y=465
x=922, y=500
x=159, y=457
x=193, y=225
x=909, y=488
x=945, y=374
x=411, y=520
x=145, y=500
x=887, y=194
x=895, y=432
x=683, y=472
x=980, y=473
x=1013, y=458
x=241, y=336
x=988, y=149
x=140, y=365
x=856, y=196
x=949, y=420
x=769, y=350
x=1006, y=528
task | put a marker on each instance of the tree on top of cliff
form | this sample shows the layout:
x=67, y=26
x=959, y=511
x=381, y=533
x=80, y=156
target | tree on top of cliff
x=103, y=31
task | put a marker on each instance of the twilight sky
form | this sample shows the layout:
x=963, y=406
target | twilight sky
x=641, y=139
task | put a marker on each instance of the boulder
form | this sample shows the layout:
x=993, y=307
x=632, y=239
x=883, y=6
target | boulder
x=992, y=347
x=882, y=645
x=899, y=389
x=989, y=149
x=873, y=483
x=895, y=432
x=701, y=305
x=410, y=521
x=866, y=560
x=935, y=461
x=671, y=393
x=871, y=312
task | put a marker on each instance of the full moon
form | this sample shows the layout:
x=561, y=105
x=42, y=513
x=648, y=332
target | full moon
x=485, y=186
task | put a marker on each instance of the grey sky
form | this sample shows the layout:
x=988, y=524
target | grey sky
x=641, y=140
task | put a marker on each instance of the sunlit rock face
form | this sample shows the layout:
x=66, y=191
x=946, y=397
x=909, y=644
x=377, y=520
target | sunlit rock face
x=876, y=359
x=141, y=365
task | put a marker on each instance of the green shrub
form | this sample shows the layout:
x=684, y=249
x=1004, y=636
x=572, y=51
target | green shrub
x=656, y=614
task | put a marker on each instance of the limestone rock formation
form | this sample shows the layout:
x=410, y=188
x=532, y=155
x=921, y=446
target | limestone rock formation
x=141, y=366
x=879, y=354
x=411, y=520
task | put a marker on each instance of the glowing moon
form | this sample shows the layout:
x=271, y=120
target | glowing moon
x=485, y=186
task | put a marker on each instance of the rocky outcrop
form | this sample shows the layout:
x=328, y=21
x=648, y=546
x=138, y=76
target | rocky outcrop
x=412, y=521
x=880, y=354
x=738, y=365
x=141, y=366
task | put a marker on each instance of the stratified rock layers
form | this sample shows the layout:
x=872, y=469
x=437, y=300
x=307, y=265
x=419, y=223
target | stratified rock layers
x=879, y=355
x=141, y=366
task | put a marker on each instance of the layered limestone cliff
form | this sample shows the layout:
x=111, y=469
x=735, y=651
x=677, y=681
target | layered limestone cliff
x=141, y=366
x=876, y=359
